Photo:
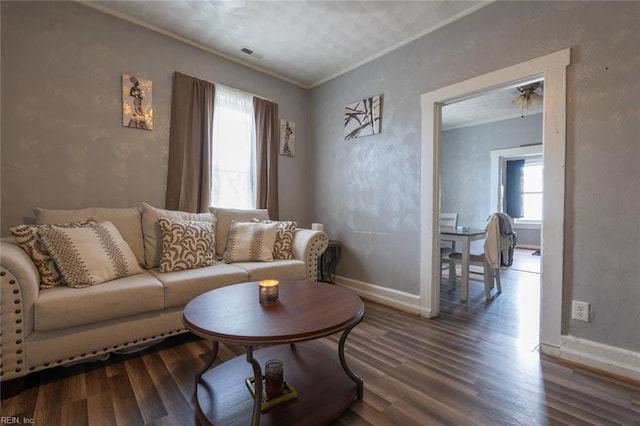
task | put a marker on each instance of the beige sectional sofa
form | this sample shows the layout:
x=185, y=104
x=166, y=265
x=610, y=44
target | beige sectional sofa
x=44, y=328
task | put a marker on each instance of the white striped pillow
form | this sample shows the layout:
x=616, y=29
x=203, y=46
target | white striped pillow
x=28, y=239
x=250, y=242
x=90, y=255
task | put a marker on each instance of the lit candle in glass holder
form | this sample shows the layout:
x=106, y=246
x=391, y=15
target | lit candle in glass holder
x=268, y=291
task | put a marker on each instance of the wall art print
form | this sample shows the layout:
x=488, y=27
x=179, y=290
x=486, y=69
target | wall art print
x=363, y=118
x=137, y=102
x=287, y=137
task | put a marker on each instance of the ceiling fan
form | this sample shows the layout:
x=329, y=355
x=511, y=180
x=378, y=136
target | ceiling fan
x=528, y=95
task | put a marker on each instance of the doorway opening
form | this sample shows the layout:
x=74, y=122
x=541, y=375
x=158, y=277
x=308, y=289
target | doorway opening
x=491, y=161
x=551, y=68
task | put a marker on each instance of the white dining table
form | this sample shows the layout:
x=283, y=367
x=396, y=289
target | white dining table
x=464, y=238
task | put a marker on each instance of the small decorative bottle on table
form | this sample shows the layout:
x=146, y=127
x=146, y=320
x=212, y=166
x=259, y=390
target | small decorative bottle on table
x=274, y=378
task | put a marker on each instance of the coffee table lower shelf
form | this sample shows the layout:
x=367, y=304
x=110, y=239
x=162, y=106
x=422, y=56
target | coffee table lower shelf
x=324, y=389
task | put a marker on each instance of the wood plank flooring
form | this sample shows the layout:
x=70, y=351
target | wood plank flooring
x=476, y=364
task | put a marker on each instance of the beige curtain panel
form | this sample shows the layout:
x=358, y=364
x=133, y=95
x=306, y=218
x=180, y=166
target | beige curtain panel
x=190, y=144
x=267, y=155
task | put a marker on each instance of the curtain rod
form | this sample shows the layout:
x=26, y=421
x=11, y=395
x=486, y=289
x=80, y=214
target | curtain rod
x=220, y=84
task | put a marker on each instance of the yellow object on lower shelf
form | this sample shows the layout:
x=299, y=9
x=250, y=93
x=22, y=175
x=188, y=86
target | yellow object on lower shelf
x=289, y=393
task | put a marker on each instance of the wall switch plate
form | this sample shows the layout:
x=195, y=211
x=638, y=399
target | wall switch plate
x=580, y=311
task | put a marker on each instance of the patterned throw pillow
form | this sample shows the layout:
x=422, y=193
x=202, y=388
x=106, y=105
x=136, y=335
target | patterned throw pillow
x=90, y=255
x=28, y=239
x=153, y=234
x=186, y=244
x=250, y=242
x=285, y=230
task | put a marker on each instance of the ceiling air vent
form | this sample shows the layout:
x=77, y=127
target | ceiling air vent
x=250, y=52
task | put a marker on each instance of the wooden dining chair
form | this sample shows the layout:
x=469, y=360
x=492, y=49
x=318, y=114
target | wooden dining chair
x=447, y=220
x=489, y=260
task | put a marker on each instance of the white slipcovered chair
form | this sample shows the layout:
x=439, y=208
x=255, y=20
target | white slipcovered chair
x=489, y=259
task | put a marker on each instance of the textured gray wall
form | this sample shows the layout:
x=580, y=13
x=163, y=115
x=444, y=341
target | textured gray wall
x=63, y=144
x=367, y=191
x=465, y=167
x=465, y=156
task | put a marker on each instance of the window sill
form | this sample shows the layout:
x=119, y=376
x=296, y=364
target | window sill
x=527, y=225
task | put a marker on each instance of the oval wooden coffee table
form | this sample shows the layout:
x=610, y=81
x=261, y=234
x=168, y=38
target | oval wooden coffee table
x=305, y=311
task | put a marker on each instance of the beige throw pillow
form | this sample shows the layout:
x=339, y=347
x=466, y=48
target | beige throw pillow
x=285, y=231
x=153, y=234
x=250, y=242
x=186, y=244
x=224, y=218
x=90, y=255
x=28, y=239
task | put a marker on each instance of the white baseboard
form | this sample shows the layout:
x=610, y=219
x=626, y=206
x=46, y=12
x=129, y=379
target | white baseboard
x=609, y=359
x=550, y=350
x=399, y=300
x=528, y=246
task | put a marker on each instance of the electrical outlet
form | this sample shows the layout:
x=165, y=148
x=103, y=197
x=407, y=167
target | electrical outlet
x=580, y=311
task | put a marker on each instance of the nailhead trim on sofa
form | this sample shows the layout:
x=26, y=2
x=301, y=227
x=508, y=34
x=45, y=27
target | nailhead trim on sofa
x=12, y=344
x=110, y=349
x=317, y=248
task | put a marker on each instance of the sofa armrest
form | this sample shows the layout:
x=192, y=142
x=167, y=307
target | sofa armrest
x=308, y=245
x=19, y=284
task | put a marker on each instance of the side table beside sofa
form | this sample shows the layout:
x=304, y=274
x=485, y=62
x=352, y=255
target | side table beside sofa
x=328, y=261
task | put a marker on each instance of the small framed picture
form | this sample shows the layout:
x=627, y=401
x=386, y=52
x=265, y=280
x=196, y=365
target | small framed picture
x=362, y=118
x=137, y=102
x=287, y=137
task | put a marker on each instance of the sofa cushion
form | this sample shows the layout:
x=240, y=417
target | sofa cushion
x=186, y=244
x=182, y=286
x=126, y=220
x=26, y=236
x=278, y=269
x=63, y=307
x=153, y=234
x=285, y=230
x=225, y=216
x=250, y=242
x=90, y=255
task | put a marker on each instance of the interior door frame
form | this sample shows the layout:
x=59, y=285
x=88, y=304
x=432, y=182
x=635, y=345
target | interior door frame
x=552, y=68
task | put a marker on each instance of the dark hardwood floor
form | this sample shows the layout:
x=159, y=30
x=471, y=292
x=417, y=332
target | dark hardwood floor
x=477, y=363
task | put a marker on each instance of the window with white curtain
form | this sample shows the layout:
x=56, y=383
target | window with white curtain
x=234, y=153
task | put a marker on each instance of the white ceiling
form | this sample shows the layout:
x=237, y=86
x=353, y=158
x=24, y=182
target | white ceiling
x=307, y=42
x=304, y=42
x=493, y=105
